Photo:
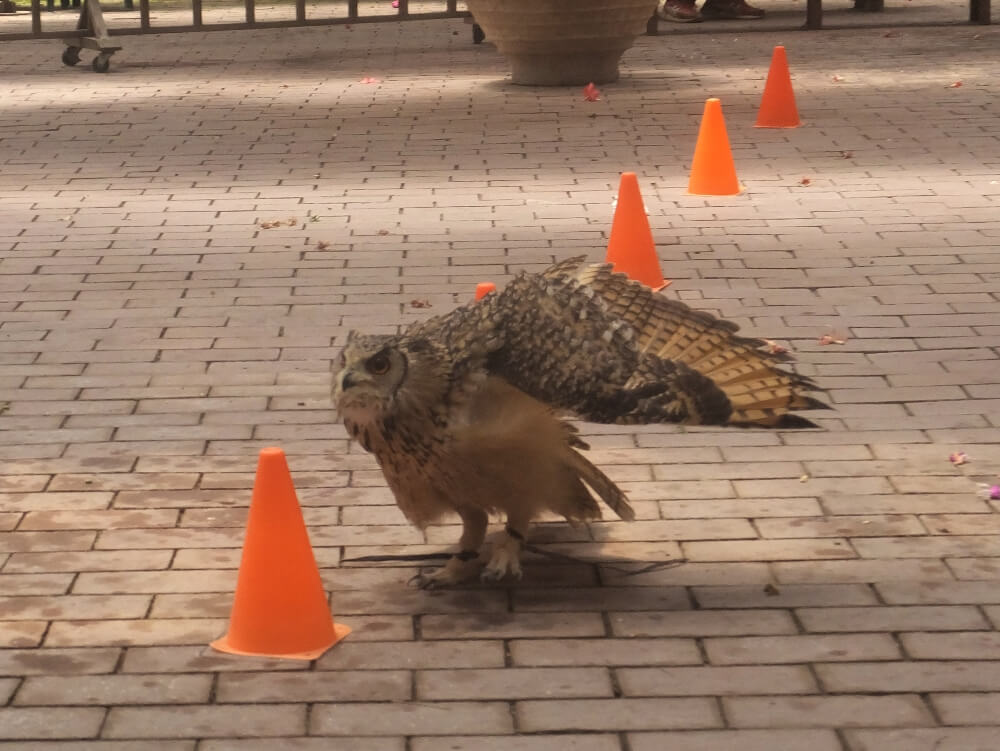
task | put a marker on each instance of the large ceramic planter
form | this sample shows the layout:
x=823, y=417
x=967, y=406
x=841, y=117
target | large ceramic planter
x=562, y=42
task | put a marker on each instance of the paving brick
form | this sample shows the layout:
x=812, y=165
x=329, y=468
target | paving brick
x=305, y=744
x=801, y=648
x=928, y=547
x=788, y=595
x=767, y=550
x=874, y=525
x=891, y=710
x=965, y=708
x=114, y=689
x=341, y=686
x=935, y=593
x=911, y=618
x=146, y=582
x=7, y=688
x=63, y=607
x=21, y=633
x=99, y=745
x=715, y=681
x=957, y=645
x=36, y=584
x=745, y=740
x=910, y=676
x=17, y=542
x=133, y=632
x=197, y=659
x=415, y=718
x=512, y=683
x=702, y=623
x=535, y=716
x=31, y=723
x=91, y=560
x=923, y=739
x=589, y=742
x=511, y=626
x=213, y=721
x=601, y=598
x=828, y=572
x=628, y=651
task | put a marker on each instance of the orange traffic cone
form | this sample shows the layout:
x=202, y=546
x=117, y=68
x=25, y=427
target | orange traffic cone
x=777, y=105
x=630, y=248
x=484, y=288
x=712, y=170
x=280, y=608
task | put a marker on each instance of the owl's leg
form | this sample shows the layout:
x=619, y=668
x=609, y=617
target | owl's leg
x=506, y=558
x=465, y=564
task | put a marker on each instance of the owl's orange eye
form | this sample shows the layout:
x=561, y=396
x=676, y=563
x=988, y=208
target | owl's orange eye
x=378, y=364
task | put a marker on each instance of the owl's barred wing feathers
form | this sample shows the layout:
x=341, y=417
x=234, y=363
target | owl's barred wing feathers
x=760, y=392
x=588, y=340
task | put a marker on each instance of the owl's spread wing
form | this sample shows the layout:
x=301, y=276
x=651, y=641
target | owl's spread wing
x=585, y=339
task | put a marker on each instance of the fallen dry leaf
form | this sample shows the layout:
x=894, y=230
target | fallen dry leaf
x=370, y=79
x=771, y=591
x=322, y=245
x=774, y=348
x=383, y=232
x=277, y=223
x=805, y=181
x=958, y=458
x=956, y=85
x=837, y=79
x=591, y=93
x=847, y=154
x=420, y=303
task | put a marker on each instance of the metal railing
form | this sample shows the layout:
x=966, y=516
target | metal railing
x=352, y=13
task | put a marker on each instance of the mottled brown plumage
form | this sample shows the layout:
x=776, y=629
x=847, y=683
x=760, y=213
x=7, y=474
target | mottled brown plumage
x=464, y=411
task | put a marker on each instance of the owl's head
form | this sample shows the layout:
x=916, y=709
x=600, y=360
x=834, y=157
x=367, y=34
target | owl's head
x=382, y=376
x=372, y=368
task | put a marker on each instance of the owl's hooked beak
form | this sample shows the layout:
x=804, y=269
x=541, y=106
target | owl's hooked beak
x=348, y=392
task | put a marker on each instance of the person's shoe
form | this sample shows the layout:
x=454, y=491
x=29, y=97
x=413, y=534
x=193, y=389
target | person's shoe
x=678, y=11
x=730, y=10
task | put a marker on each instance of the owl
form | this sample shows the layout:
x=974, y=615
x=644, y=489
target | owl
x=467, y=413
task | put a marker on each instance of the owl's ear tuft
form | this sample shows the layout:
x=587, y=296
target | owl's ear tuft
x=419, y=346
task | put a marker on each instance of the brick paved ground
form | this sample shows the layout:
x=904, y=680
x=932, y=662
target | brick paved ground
x=840, y=591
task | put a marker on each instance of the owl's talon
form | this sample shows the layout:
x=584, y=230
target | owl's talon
x=458, y=569
x=420, y=580
x=506, y=559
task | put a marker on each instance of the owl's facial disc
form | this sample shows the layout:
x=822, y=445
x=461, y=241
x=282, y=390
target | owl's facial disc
x=367, y=381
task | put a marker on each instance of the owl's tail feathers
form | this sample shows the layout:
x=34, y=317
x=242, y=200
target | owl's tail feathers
x=601, y=484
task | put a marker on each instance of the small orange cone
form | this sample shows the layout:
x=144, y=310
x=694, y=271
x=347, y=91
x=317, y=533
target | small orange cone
x=777, y=105
x=630, y=248
x=484, y=288
x=712, y=170
x=280, y=608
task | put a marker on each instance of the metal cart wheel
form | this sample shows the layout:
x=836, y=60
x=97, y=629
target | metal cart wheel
x=101, y=63
x=478, y=35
